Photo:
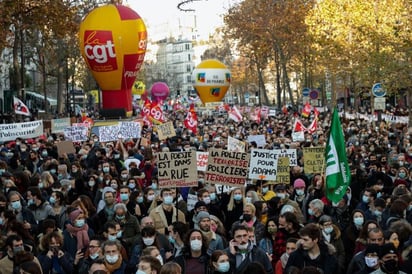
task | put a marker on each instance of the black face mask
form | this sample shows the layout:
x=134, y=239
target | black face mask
x=247, y=217
x=390, y=266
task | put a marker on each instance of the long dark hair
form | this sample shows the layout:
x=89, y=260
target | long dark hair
x=187, y=248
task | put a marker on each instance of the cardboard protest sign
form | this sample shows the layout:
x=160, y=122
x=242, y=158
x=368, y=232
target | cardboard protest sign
x=75, y=134
x=108, y=133
x=191, y=201
x=283, y=171
x=129, y=130
x=259, y=139
x=58, y=125
x=9, y=132
x=263, y=164
x=290, y=153
x=201, y=160
x=65, y=147
x=227, y=167
x=222, y=188
x=165, y=130
x=314, y=159
x=177, y=169
x=234, y=144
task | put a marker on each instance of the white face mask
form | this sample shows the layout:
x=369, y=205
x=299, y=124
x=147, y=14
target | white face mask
x=196, y=245
x=371, y=261
x=112, y=259
x=148, y=241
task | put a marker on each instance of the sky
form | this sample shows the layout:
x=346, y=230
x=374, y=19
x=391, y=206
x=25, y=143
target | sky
x=163, y=18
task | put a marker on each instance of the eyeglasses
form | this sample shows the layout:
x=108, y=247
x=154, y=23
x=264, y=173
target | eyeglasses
x=93, y=246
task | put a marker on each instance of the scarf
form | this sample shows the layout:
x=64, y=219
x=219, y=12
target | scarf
x=113, y=267
x=208, y=235
x=81, y=235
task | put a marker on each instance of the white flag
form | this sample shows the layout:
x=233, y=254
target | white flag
x=20, y=107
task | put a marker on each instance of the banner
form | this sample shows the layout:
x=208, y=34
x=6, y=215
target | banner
x=227, y=167
x=201, y=160
x=234, y=144
x=165, y=130
x=283, y=172
x=108, y=133
x=314, y=160
x=259, y=139
x=9, y=132
x=130, y=130
x=58, y=125
x=177, y=169
x=263, y=164
x=76, y=134
x=290, y=153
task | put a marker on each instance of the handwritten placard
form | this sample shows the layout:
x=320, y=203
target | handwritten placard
x=263, y=164
x=109, y=133
x=75, y=134
x=314, y=159
x=58, y=125
x=201, y=160
x=129, y=130
x=234, y=144
x=165, y=130
x=227, y=167
x=290, y=153
x=283, y=171
x=259, y=139
x=177, y=169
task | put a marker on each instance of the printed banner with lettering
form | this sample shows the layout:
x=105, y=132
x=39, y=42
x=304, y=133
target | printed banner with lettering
x=314, y=159
x=234, y=144
x=201, y=160
x=166, y=130
x=58, y=125
x=283, y=171
x=290, y=153
x=76, y=134
x=227, y=167
x=9, y=132
x=263, y=164
x=177, y=169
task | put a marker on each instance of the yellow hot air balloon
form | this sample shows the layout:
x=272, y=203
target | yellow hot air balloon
x=113, y=42
x=211, y=80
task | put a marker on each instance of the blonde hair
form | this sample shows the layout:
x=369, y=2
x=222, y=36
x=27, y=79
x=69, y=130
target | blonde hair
x=231, y=203
x=46, y=178
x=251, y=207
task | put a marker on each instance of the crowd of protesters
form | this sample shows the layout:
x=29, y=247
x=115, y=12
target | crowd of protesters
x=100, y=210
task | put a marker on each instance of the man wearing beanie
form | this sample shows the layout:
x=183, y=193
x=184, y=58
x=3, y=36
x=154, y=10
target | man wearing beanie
x=388, y=260
x=213, y=240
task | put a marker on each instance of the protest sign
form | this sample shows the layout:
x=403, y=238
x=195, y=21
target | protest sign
x=177, y=169
x=263, y=164
x=227, y=167
x=234, y=144
x=108, y=133
x=9, y=132
x=129, y=130
x=314, y=159
x=201, y=160
x=222, y=189
x=290, y=153
x=75, y=134
x=165, y=130
x=58, y=125
x=283, y=171
x=259, y=139
x=191, y=201
x=65, y=147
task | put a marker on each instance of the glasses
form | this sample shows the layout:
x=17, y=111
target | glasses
x=93, y=246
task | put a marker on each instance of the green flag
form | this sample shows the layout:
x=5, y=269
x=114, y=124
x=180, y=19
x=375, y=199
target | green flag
x=337, y=169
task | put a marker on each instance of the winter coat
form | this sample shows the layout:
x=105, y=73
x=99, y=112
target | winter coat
x=254, y=254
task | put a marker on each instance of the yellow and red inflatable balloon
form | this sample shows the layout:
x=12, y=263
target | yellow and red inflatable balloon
x=113, y=42
x=211, y=80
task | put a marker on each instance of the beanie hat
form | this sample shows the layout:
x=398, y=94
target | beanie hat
x=299, y=183
x=202, y=215
x=388, y=248
x=74, y=214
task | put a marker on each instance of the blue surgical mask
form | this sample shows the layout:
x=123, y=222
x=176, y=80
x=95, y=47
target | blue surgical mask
x=124, y=196
x=112, y=237
x=119, y=234
x=30, y=202
x=53, y=171
x=365, y=199
x=140, y=199
x=154, y=186
x=106, y=169
x=310, y=212
x=94, y=256
x=265, y=189
x=140, y=272
x=52, y=200
x=377, y=213
x=212, y=196
x=358, y=221
x=248, y=200
x=80, y=223
x=132, y=185
x=223, y=267
x=168, y=200
x=237, y=197
x=171, y=239
x=328, y=230
x=16, y=205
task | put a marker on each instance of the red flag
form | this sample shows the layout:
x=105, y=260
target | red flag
x=313, y=126
x=306, y=110
x=235, y=115
x=298, y=126
x=256, y=115
x=20, y=107
x=316, y=111
x=156, y=113
x=191, y=119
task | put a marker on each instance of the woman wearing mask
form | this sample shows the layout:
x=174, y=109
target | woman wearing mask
x=269, y=240
x=45, y=183
x=219, y=263
x=232, y=205
x=352, y=232
x=57, y=202
x=194, y=258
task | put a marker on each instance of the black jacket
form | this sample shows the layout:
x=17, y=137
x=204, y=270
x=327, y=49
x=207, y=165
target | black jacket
x=255, y=254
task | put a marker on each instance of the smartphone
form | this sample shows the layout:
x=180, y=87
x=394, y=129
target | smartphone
x=83, y=250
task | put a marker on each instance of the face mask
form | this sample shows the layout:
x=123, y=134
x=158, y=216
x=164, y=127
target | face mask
x=379, y=194
x=44, y=154
x=196, y=245
x=243, y=247
x=94, y=256
x=74, y=170
x=79, y=223
x=120, y=217
x=119, y=234
x=41, y=185
x=168, y=200
x=18, y=249
x=112, y=237
x=377, y=213
x=106, y=169
x=358, y=221
x=91, y=183
x=52, y=200
x=16, y=205
x=300, y=192
x=132, y=185
x=114, y=186
x=371, y=261
x=171, y=239
x=410, y=207
x=140, y=199
x=140, y=272
x=212, y=196
x=237, y=197
x=247, y=217
x=281, y=195
x=148, y=241
x=365, y=199
x=328, y=230
x=112, y=259
x=154, y=186
x=249, y=200
x=265, y=189
x=272, y=230
x=390, y=266
x=150, y=197
x=223, y=267
x=206, y=200
x=124, y=176
x=160, y=258
x=1, y=221
x=402, y=174
x=2, y=171
x=124, y=196
x=310, y=212
x=60, y=176
x=30, y=202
